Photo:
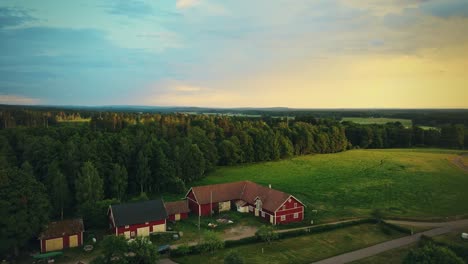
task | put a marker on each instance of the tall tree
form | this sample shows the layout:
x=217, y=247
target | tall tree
x=24, y=207
x=142, y=169
x=89, y=185
x=118, y=180
x=58, y=188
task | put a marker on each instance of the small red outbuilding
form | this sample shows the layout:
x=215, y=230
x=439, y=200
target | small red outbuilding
x=177, y=210
x=138, y=219
x=62, y=234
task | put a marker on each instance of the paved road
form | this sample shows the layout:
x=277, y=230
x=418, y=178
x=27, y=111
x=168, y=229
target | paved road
x=442, y=228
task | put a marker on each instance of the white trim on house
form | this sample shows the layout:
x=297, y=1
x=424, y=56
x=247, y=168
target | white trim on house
x=191, y=189
x=287, y=201
x=111, y=214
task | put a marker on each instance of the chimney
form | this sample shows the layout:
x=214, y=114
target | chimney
x=269, y=186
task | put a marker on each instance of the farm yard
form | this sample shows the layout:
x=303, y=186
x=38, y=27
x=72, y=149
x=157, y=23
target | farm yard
x=402, y=183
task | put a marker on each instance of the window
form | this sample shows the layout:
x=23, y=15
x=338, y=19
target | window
x=284, y=207
x=283, y=217
x=289, y=200
x=263, y=214
x=296, y=215
x=295, y=205
x=132, y=234
x=127, y=226
x=146, y=223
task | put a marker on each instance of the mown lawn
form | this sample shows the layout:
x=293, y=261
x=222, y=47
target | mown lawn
x=394, y=256
x=378, y=120
x=303, y=249
x=412, y=183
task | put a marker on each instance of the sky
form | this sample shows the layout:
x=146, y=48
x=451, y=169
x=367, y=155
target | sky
x=236, y=53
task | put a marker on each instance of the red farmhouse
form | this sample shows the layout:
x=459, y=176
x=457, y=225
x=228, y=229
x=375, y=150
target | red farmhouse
x=138, y=219
x=272, y=205
x=177, y=210
x=62, y=234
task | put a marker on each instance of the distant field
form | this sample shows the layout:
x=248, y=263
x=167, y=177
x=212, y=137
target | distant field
x=75, y=120
x=312, y=247
x=412, y=183
x=371, y=120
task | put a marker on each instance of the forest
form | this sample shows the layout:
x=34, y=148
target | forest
x=53, y=168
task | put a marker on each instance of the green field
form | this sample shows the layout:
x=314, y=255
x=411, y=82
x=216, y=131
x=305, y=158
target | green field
x=410, y=183
x=303, y=249
x=377, y=120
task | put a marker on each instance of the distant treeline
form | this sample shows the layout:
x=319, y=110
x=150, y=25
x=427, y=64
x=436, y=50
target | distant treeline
x=82, y=167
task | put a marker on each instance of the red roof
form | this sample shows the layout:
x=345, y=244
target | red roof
x=178, y=207
x=62, y=228
x=244, y=190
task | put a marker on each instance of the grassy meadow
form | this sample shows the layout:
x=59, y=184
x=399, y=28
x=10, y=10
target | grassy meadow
x=410, y=183
x=377, y=120
x=303, y=249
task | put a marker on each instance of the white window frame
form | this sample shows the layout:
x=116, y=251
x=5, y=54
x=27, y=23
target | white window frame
x=283, y=218
x=127, y=226
x=296, y=215
x=295, y=205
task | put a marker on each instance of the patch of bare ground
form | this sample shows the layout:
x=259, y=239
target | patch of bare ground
x=460, y=162
x=239, y=232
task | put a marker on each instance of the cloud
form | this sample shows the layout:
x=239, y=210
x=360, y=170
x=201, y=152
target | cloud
x=10, y=16
x=187, y=88
x=130, y=8
x=181, y=4
x=383, y=7
x=18, y=100
x=447, y=8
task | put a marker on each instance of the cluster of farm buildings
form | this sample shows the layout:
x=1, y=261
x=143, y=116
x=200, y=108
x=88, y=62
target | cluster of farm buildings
x=144, y=218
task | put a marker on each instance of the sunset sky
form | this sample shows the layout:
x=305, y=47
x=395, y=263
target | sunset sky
x=290, y=53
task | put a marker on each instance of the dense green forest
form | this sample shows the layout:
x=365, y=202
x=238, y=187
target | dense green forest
x=52, y=168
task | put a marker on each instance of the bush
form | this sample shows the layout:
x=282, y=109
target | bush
x=233, y=257
x=397, y=228
x=95, y=214
x=243, y=241
x=267, y=233
x=431, y=253
x=184, y=249
x=211, y=242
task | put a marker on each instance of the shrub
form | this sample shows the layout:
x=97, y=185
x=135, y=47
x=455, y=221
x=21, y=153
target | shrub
x=267, y=233
x=211, y=242
x=431, y=253
x=233, y=257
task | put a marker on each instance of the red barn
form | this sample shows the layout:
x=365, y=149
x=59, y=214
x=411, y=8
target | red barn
x=62, y=234
x=272, y=205
x=138, y=219
x=177, y=210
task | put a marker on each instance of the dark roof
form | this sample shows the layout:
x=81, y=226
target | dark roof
x=139, y=212
x=62, y=228
x=244, y=190
x=178, y=207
